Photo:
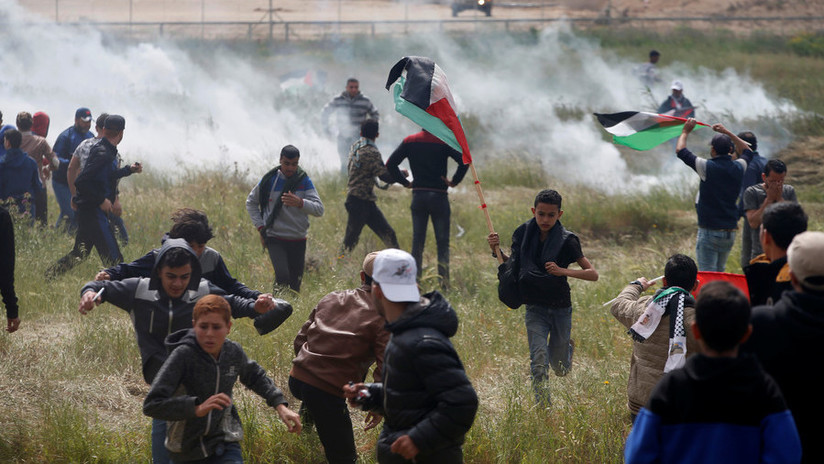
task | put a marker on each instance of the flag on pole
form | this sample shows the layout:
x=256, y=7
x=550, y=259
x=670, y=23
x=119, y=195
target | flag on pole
x=422, y=94
x=639, y=130
x=705, y=277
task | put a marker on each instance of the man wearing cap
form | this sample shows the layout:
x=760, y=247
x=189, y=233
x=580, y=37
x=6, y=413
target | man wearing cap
x=677, y=104
x=717, y=192
x=40, y=151
x=343, y=337
x=787, y=337
x=425, y=396
x=64, y=147
x=96, y=193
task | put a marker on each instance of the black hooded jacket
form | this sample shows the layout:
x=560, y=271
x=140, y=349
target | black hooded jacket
x=425, y=392
x=188, y=378
x=155, y=315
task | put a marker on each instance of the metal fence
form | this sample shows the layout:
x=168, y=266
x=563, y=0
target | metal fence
x=280, y=31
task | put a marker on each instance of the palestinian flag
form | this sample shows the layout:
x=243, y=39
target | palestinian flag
x=739, y=280
x=641, y=131
x=422, y=94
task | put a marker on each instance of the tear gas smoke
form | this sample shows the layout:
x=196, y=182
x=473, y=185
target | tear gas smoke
x=203, y=105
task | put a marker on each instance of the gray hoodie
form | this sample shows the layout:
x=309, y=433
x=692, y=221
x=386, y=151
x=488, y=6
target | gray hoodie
x=188, y=378
x=155, y=315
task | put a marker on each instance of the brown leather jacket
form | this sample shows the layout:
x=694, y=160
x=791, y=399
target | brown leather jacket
x=342, y=338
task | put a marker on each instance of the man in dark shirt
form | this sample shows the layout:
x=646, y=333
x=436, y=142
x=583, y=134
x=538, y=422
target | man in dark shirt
x=715, y=204
x=428, y=157
x=96, y=193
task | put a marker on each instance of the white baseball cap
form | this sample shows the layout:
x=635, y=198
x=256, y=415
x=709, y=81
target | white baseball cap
x=395, y=271
x=677, y=85
x=804, y=258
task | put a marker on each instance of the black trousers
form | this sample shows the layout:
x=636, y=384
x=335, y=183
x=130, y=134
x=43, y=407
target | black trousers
x=93, y=231
x=289, y=260
x=331, y=418
x=365, y=212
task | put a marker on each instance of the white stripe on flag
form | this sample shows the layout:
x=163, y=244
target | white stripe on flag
x=440, y=87
x=636, y=123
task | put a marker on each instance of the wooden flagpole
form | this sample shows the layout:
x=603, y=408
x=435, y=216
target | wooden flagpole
x=484, y=208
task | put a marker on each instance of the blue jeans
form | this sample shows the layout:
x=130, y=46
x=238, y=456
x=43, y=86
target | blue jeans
x=712, y=248
x=226, y=453
x=426, y=204
x=160, y=455
x=64, y=200
x=548, y=333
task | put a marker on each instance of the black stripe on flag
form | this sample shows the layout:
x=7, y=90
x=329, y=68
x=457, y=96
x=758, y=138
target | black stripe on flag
x=609, y=120
x=418, y=87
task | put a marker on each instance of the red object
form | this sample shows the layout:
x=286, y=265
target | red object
x=40, y=124
x=739, y=280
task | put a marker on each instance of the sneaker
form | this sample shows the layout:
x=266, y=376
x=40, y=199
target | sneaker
x=272, y=319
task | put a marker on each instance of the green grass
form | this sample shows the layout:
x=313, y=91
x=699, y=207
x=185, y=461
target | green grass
x=72, y=385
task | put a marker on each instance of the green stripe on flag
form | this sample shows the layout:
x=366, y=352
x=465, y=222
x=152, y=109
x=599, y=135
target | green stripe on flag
x=428, y=122
x=650, y=137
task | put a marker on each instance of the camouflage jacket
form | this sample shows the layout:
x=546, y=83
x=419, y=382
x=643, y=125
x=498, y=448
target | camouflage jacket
x=365, y=163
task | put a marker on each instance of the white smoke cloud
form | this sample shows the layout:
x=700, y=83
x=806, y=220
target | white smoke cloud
x=203, y=105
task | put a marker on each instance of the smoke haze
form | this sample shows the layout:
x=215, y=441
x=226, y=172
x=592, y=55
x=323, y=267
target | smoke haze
x=204, y=105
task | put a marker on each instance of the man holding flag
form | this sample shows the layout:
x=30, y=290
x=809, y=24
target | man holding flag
x=422, y=94
x=718, y=191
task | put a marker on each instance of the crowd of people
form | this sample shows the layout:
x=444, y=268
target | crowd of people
x=727, y=371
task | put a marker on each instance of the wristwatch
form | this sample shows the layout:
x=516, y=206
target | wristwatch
x=638, y=283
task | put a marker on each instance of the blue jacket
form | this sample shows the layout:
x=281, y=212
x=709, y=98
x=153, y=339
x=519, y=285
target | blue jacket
x=64, y=147
x=3, y=130
x=715, y=410
x=752, y=176
x=19, y=176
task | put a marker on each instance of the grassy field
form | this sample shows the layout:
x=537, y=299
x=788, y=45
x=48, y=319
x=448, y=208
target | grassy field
x=71, y=385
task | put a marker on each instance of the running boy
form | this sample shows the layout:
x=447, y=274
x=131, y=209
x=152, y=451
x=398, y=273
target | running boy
x=204, y=425
x=720, y=407
x=543, y=249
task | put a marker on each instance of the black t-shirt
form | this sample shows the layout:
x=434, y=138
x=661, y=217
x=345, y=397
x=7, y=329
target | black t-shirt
x=548, y=290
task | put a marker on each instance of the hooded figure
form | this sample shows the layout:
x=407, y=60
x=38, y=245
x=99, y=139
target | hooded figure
x=156, y=313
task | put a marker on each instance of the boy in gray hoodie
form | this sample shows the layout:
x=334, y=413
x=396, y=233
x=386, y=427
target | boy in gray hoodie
x=204, y=425
x=163, y=303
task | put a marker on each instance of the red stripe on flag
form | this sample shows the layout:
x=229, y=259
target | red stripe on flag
x=739, y=280
x=442, y=110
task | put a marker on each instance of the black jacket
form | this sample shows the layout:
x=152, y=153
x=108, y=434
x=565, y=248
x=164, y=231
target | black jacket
x=786, y=338
x=7, y=264
x=155, y=315
x=98, y=180
x=188, y=378
x=425, y=392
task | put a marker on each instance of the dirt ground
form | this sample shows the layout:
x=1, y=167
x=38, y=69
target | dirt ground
x=352, y=10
